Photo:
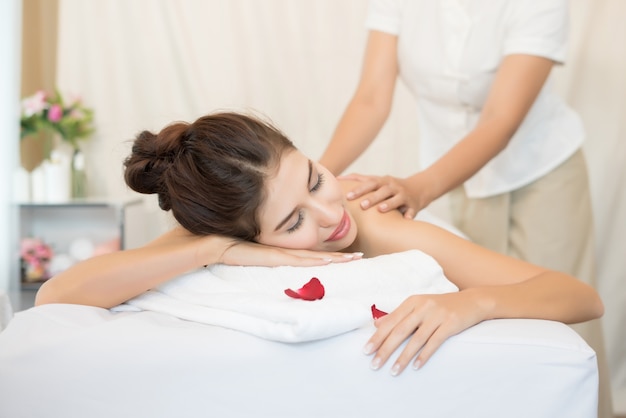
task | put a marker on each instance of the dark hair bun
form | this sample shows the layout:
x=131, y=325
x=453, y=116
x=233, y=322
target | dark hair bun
x=152, y=155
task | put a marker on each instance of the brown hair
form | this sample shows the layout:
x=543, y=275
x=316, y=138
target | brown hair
x=210, y=173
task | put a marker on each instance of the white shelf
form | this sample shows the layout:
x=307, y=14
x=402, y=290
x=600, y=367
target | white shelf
x=60, y=224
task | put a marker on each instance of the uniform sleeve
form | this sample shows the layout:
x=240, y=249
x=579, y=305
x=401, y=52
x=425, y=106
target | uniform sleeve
x=384, y=16
x=538, y=27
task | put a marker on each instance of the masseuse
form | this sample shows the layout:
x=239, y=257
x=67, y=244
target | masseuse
x=493, y=134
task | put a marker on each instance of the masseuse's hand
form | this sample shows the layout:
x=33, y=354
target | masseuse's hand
x=243, y=253
x=426, y=321
x=388, y=193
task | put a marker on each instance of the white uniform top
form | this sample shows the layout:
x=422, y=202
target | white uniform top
x=448, y=54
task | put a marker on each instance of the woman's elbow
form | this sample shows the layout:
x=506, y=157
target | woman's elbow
x=592, y=307
x=46, y=294
x=52, y=291
x=598, y=307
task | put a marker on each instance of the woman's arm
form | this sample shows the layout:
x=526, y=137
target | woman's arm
x=518, y=81
x=491, y=286
x=110, y=279
x=367, y=111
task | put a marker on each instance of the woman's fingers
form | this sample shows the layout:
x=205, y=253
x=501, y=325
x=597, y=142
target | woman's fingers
x=420, y=346
x=424, y=323
x=253, y=254
x=315, y=258
x=434, y=342
x=391, y=331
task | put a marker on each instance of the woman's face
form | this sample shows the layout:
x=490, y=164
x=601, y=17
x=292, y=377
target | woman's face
x=305, y=208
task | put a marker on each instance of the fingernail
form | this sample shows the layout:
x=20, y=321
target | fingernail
x=328, y=260
x=348, y=255
x=358, y=254
x=350, y=195
x=417, y=364
x=365, y=204
x=395, y=370
x=383, y=206
x=375, y=365
x=369, y=347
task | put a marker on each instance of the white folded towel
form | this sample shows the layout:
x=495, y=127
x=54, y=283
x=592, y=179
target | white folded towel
x=252, y=299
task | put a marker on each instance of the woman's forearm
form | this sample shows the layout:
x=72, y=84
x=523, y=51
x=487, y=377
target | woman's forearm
x=549, y=295
x=464, y=160
x=355, y=132
x=111, y=279
x=370, y=105
x=517, y=84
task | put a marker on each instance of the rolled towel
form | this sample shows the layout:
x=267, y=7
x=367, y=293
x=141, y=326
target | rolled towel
x=252, y=299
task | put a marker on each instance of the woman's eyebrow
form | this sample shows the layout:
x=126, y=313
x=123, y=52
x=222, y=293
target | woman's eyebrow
x=308, y=181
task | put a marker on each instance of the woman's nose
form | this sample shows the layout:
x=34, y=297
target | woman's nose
x=328, y=215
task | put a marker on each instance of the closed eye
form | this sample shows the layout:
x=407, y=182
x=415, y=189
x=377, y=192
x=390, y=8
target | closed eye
x=313, y=189
x=298, y=223
x=320, y=181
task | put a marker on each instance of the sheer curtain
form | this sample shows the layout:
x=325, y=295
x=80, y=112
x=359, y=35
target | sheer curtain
x=594, y=83
x=10, y=16
x=144, y=63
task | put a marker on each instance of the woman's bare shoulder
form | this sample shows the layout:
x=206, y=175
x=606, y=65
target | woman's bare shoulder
x=464, y=262
x=384, y=233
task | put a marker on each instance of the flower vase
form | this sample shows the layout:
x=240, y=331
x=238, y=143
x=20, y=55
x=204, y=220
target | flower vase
x=79, y=178
x=21, y=185
x=57, y=177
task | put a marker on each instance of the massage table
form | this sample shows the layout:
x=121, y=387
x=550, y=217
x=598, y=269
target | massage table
x=153, y=357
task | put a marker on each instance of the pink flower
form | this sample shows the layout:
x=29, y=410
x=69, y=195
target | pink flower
x=35, y=103
x=76, y=114
x=377, y=313
x=55, y=113
x=36, y=256
x=28, y=244
x=311, y=291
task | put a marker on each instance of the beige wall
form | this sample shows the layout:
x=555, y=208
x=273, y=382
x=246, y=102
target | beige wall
x=39, y=52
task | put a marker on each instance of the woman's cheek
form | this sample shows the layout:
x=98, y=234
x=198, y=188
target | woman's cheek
x=302, y=239
x=310, y=240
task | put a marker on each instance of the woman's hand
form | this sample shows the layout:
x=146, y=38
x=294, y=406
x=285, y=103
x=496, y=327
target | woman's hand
x=426, y=321
x=243, y=253
x=389, y=193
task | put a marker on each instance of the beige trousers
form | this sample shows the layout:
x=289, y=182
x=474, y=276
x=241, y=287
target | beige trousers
x=549, y=223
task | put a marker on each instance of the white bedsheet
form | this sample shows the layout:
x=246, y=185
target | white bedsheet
x=71, y=361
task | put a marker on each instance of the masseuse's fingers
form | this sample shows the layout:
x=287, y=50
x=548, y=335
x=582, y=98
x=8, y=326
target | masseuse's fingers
x=375, y=189
x=368, y=184
x=387, y=193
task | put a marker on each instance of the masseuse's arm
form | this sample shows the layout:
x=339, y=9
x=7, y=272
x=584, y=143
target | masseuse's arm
x=369, y=107
x=111, y=279
x=517, y=83
x=491, y=286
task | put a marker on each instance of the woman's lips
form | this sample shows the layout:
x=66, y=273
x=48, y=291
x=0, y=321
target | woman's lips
x=342, y=229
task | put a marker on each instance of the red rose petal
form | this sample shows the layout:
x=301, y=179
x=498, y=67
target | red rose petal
x=377, y=313
x=313, y=290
